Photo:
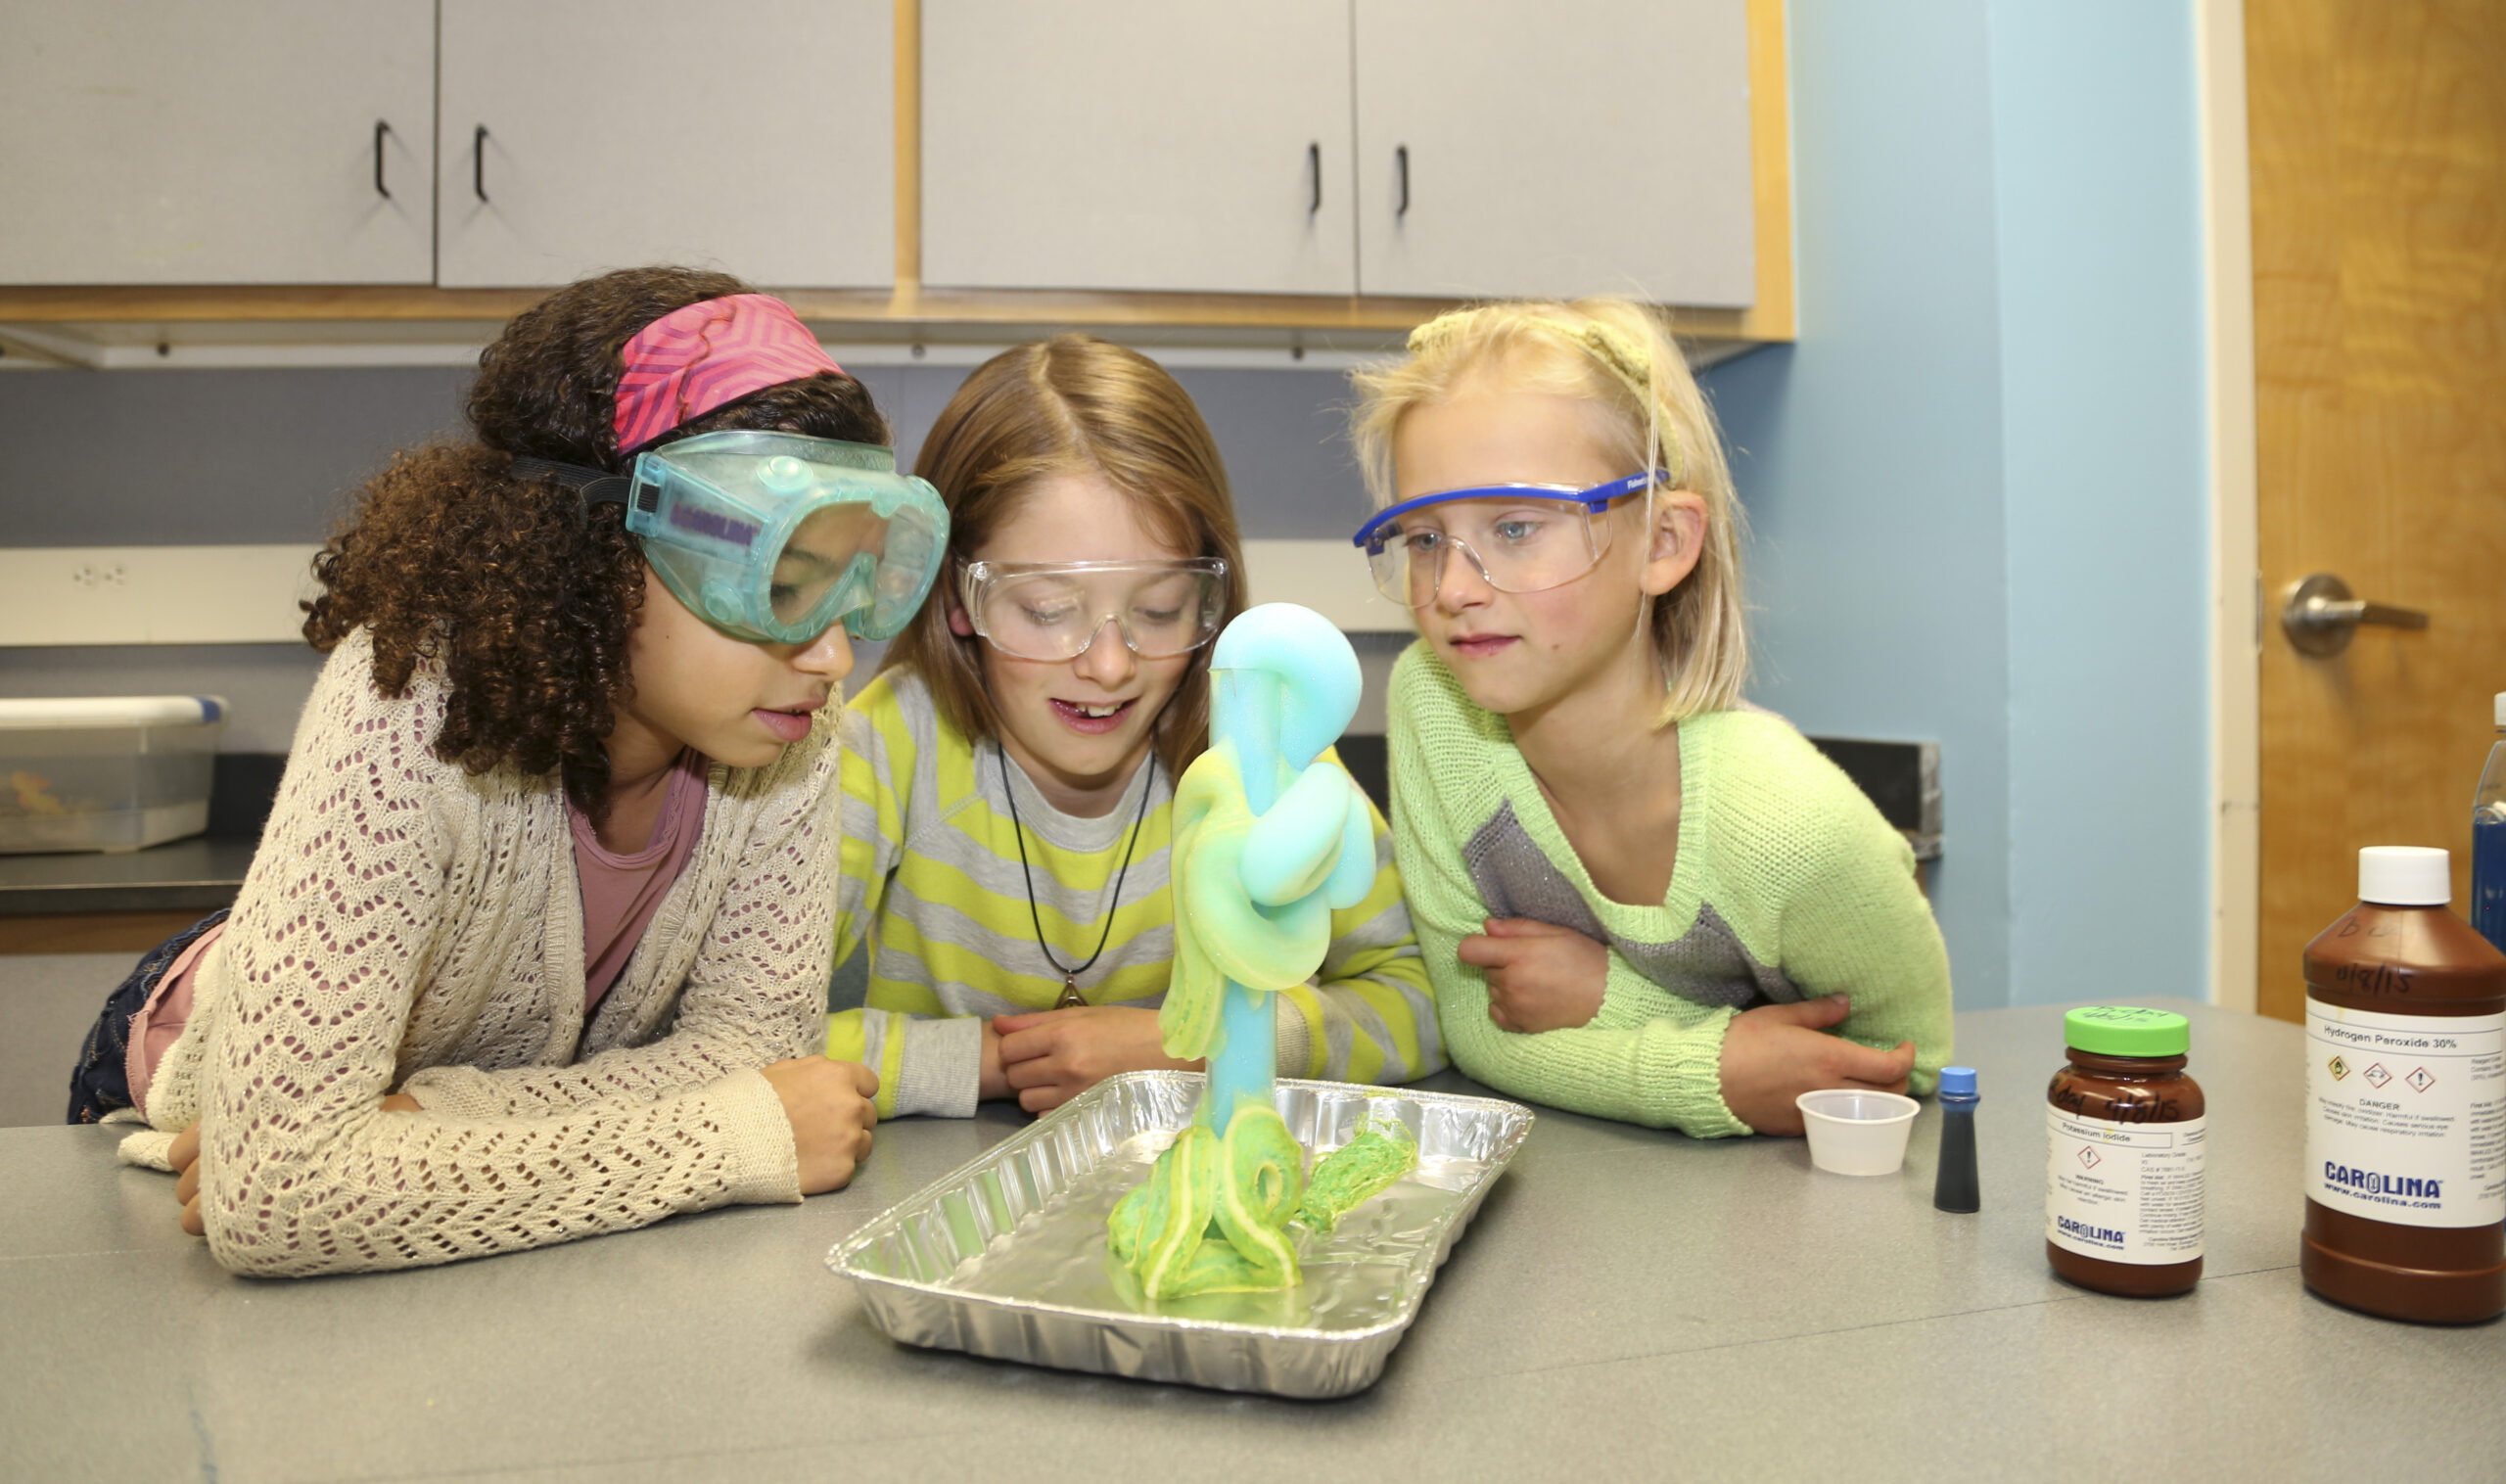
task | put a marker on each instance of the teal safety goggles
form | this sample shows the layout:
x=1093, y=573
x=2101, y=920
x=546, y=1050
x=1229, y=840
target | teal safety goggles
x=775, y=536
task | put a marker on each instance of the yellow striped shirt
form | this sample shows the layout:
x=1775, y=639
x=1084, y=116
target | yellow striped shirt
x=933, y=920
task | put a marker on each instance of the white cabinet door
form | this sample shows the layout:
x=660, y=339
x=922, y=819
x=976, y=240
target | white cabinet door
x=1571, y=147
x=216, y=141
x=754, y=136
x=1186, y=145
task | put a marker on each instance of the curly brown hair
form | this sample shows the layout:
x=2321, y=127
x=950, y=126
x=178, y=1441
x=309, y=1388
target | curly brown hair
x=527, y=597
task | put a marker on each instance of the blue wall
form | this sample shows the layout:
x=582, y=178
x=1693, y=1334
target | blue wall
x=1978, y=481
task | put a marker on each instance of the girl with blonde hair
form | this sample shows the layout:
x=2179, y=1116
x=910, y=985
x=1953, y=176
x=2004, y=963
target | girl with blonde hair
x=1008, y=776
x=1640, y=898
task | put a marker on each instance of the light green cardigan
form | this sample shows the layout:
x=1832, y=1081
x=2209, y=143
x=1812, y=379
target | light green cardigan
x=1788, y=886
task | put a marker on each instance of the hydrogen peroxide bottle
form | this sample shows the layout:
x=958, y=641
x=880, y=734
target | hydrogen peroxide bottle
x=2405, y=1172
x=2489, y=842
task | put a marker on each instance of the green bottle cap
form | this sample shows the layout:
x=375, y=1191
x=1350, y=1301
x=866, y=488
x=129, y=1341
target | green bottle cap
x=2121, y=1030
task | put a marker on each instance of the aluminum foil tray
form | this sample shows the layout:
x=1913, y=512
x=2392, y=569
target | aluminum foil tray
x=1005, y=1256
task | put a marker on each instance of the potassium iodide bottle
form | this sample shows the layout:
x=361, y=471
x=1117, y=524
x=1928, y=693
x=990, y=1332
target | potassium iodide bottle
x=2125, y=1144
x=2405, y=1172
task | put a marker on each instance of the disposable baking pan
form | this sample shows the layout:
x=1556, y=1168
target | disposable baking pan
x=1005, y=1256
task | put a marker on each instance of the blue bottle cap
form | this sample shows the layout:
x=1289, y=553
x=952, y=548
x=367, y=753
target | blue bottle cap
x=1957, y=1081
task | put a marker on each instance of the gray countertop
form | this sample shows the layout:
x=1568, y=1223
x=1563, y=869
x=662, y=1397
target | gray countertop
x=1627, y=1304
x=202, y=872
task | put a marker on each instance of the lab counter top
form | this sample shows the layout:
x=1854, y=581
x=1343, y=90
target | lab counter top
x=199, y=873
x=1627, y=1304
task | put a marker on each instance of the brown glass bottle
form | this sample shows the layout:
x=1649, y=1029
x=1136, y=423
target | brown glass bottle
x=2410, y=965
x=2126, y=1070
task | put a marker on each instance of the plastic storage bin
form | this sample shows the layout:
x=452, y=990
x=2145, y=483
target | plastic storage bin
x=105, y=773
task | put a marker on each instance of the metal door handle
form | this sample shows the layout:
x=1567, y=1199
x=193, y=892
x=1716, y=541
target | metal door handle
x=1401, y=165
x=1314, y=163
x=380, y=130
x=2321, y=617
x=479, y=162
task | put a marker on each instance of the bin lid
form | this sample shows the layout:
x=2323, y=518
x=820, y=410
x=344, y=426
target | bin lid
x=60, y=712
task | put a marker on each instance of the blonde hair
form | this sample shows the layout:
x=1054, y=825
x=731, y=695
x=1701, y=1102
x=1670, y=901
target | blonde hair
x=1619, y=355
x=1071, y=404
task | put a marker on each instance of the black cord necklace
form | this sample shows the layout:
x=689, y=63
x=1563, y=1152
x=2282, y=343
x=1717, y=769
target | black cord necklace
x=1070, y=996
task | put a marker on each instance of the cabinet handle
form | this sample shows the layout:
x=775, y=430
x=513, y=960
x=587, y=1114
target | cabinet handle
x=1401, y=166
x=1314, y=164
x=479, y=162
x=380, y=189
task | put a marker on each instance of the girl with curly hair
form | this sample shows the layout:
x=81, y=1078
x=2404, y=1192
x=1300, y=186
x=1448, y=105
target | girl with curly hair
x=1009, y=776
x=534, y=943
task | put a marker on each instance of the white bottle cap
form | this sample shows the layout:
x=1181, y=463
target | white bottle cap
x=2405, y=875
x=2501, y=708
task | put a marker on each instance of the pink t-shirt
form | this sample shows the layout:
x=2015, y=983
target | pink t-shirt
x=620, y=893
x=162, y=1018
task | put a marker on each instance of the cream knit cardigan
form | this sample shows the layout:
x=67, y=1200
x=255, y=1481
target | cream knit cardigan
x=407, y=925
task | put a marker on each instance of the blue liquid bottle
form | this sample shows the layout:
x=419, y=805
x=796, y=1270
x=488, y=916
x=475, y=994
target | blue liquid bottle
x=2489, y=842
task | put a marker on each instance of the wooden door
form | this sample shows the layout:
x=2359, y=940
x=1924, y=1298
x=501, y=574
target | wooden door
x=1571, y=147
x=2379, y=181
x=216, y=141
x=755, y=136
x=1137, y=144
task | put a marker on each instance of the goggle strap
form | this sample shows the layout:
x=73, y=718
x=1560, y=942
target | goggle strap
x=597, y=486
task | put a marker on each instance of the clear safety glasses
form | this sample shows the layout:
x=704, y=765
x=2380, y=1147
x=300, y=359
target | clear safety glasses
x=1054, y=611
x=1518, y=538
x=775, y=536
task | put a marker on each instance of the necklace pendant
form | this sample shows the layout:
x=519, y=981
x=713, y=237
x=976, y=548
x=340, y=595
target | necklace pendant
x=1070, y=996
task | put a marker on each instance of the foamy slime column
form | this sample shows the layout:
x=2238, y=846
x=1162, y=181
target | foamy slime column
x=1268, y=841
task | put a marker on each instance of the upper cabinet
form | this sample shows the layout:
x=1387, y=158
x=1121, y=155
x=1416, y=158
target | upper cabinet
x=1293, y=165
x=755, y=136
x=216, y=141
x=1189, y=147
x=1577, y=146
x=1572, y=147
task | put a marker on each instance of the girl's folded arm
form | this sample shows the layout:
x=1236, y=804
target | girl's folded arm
x=1664, y=1071
x=926, y=1064
x=1859, y=926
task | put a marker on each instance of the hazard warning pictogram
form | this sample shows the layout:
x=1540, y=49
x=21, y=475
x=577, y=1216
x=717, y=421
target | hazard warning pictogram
x=2339, y=1068
x=2378, y=1075
x=2087, y=1157
x=2421, y=1080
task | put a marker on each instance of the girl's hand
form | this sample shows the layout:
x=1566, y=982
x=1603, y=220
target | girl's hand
x=1051, y=1056
x=995, y=1086
x=183, y=1154
x=1776, y=1052
x=1541, y=977
x=829, y=1105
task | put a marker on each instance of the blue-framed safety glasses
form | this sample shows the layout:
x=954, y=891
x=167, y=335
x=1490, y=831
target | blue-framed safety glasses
x=1518, y=538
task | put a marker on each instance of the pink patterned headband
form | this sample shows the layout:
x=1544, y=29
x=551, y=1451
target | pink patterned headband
x=694, y=359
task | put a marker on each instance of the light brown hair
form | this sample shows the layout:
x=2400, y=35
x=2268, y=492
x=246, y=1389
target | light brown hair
x=1619, y=355
x=1071, y=404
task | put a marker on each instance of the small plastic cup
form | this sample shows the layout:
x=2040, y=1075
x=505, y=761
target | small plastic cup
x=1854, y=1132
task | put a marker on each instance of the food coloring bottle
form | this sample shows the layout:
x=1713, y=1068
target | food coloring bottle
x=2489, y=842
x=2125, y=1144
x=2405, y=1172
x=1954, y=1186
